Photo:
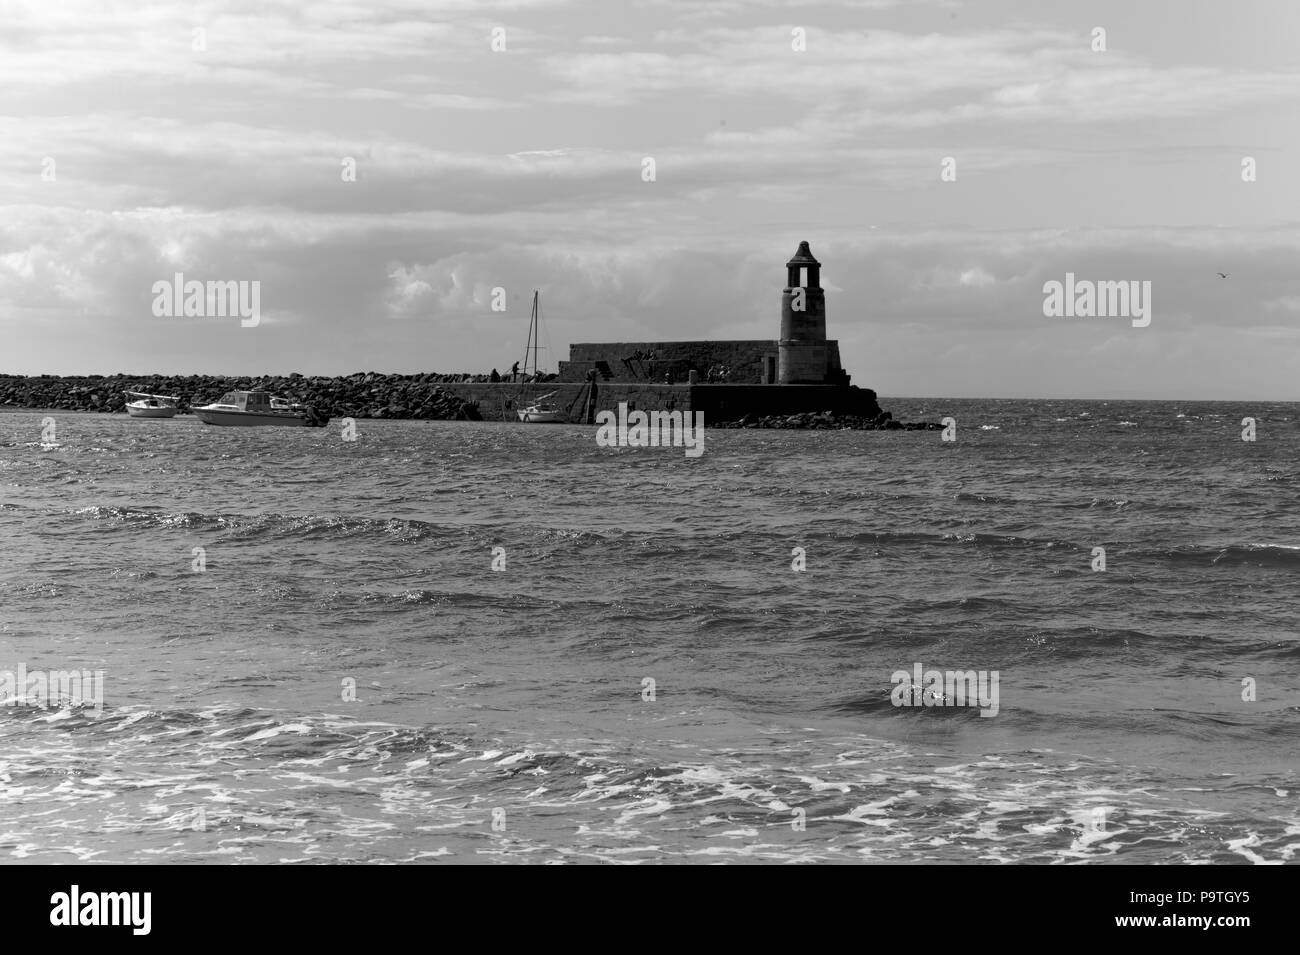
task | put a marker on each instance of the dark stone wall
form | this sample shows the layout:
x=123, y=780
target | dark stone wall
x=501, y=402
x=718, y=402
x=733, y=402
x=743, y=357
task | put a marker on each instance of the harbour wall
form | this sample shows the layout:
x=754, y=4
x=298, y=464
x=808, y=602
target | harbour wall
x=743, y=359
x=747, y=362
x=500, y=402
x=733, y=402
x=434, y=397
x=717, y=402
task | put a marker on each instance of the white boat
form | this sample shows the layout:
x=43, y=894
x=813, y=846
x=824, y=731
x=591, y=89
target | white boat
x=151, y=406
x=537, y=410
x=259, y=408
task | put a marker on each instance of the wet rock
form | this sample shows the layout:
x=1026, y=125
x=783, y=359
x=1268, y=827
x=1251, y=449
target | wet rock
x=829, y=420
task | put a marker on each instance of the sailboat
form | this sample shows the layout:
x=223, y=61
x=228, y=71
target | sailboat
x=146, y=405
x=538, y=411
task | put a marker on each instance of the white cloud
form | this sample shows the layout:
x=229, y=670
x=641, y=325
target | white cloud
x=478, y=170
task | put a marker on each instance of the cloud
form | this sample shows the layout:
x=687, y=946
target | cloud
x=522, y=170
x=851, y=80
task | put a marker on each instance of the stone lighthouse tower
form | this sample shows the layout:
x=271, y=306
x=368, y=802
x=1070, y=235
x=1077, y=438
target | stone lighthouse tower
x=802, y=349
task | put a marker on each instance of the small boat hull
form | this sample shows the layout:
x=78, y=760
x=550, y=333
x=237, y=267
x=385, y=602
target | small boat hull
x=251, y=419
x=541, y=416
x=254, y=409
x=135, y=412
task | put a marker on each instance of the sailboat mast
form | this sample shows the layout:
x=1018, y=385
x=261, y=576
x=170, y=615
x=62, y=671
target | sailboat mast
x=532, y=323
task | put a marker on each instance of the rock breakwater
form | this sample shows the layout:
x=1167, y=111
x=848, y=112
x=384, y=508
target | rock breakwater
x=360, y=395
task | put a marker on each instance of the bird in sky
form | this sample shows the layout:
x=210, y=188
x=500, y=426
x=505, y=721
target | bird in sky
x=1222, y=275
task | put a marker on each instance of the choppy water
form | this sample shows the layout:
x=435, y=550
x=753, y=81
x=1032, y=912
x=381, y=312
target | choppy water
x=1121, y=735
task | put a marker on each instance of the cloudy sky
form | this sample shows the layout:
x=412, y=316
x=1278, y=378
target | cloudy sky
x=133, y=147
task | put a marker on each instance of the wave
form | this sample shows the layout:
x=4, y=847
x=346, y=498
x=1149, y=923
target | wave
x=951, y=537
x=328, y=788
x=1008, y=540
x=270, y=527
x=974, y=497
x=1115, y=502
x=1258, y=555
x=983, y=498
x=880, y=703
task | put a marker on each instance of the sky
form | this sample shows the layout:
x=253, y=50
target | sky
x=215, y=139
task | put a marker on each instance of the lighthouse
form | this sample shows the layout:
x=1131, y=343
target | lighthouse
x=802, y=355
x=801, y=350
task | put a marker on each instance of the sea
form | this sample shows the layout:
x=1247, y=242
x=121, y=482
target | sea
x=464, y=642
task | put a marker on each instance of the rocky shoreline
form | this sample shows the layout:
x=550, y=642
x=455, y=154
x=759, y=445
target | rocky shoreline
x=360, y=395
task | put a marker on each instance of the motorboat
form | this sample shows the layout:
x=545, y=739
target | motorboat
x=151, y=406
x=259, y=408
